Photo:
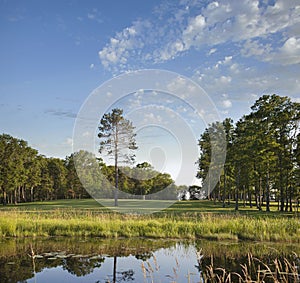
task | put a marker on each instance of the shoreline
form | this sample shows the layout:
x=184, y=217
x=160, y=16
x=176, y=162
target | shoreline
x=63, y=222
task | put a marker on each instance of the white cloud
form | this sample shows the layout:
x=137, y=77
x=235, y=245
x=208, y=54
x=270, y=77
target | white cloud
x=152, y=118
x=223, y=80
x=212, y=51
x=248, y=23
x=244, y=48
x=255, y=48
x=122, y=45
x=91, y=16
x=227, y=103
x=289, y=53
x=194, y=31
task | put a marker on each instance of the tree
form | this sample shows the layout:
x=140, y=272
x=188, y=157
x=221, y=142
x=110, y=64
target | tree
x=276, y=118
x=212, y=144
x=263, y=145
x=58, y=173
x=33, y=168
x=143, y=178
x=117, y=139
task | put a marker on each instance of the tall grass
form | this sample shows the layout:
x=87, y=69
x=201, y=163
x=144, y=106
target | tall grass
x=63, y=222
x=280, y=270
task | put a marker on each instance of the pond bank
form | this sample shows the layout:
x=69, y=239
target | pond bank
x=16, y=223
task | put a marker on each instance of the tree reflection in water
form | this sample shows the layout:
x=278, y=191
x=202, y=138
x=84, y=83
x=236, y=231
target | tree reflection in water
x=122, y=260
x=122, y=276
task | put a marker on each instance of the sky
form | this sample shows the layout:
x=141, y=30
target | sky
x=55, y=54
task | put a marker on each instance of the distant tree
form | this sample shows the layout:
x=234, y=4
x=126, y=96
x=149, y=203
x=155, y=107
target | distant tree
x=212, y=144
x=74, y=187
x=117, y=139
x=196, y=192
x=45, y=189
x=8, y=146
x=144, y=174
x=58, y=173
x=33, y=168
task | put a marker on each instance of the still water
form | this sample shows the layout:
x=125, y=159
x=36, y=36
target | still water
x=125, y=260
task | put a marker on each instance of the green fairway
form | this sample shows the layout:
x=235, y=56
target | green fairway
x=57, y=204
x=196, y=206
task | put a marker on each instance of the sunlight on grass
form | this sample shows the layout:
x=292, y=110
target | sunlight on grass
x=184, y=220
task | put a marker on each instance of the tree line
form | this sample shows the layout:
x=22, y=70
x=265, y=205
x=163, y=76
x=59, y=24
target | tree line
x=27, y=176
x=263, y=155
x=262, y=162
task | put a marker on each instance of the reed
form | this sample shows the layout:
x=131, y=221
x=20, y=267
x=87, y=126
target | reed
x=68, y=222
x=280, y=270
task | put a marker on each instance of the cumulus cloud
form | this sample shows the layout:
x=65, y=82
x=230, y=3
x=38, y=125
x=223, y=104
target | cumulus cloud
x=93, y=15
x=289, y=53
x=243, y=48
x=227, y=103
x=179, y=28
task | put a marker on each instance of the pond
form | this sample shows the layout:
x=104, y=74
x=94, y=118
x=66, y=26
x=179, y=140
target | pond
x=126, y=260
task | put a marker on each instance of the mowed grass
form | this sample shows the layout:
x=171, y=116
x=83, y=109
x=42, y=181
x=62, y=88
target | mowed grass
x=183, y=220
x=179, y=207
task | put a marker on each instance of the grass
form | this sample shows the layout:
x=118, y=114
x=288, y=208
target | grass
x=175, y=208
x=255, y=270
x=183, y=220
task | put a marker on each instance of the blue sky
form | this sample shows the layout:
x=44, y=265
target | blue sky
x=53, y=54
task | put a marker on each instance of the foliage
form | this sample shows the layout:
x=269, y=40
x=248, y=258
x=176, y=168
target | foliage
x=262, y=161
x=26, y=176
x=117, y=139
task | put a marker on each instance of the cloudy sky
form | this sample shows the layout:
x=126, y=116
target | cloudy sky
x=53, y=54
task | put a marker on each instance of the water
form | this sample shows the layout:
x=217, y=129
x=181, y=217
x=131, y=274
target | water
x=126, y=260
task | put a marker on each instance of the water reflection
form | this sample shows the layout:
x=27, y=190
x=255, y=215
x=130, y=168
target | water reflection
x=129, y=260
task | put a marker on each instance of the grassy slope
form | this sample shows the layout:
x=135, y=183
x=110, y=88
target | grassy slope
x=190, y=219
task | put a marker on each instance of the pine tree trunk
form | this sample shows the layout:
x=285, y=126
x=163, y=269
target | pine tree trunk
x=224, y=189
x=267, y=193
x=15, y=196
x=116, y=176
x=287, y=198
x=31, y=194
x=291, y=202
x=4, y=197
x=237, y=191
x=281, y=185
x=260, y=194
x=23, y=193
x=256, y=195
x=19, y=194
x=249, y=196
x=244, y=196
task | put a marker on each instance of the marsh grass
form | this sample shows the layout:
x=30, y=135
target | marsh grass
x=74, y=222
x=279, y=271
x=254, y=270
